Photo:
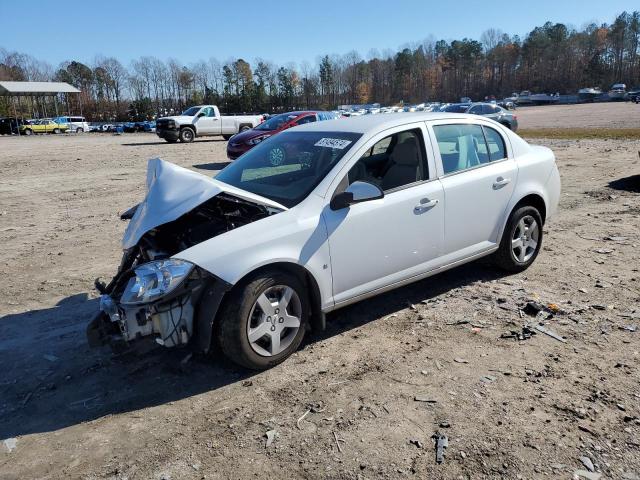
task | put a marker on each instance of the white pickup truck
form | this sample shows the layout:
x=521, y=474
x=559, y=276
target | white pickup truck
x=203, y=121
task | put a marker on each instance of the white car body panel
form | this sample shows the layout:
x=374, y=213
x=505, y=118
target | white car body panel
x=376, y=245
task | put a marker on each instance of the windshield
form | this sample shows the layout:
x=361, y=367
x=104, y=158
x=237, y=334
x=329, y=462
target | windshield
x=274, y=123
x=287, y=167
x=191, y=112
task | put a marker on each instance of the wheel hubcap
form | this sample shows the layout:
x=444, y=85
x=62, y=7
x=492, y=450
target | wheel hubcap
x=274, y=320
x=524, y=242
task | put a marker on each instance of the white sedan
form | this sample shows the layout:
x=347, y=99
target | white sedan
x=315, y=218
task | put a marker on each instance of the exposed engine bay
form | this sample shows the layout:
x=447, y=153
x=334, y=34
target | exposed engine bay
x=129, y=310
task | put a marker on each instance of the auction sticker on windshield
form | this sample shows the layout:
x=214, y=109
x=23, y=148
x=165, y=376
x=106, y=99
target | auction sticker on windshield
x=333, y=143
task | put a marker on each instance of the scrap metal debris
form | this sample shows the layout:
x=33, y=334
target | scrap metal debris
x=441, y=442
x=525, y=334
x=10, y=444
x=271, y=436
x=551, y=333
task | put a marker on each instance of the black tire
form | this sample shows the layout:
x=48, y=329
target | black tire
x=79, y=130
x=187, y=135
x=230, y=331
x=56, y=131
x=227, y=137
x=170, y=140
x=28, y=131
x=244, y=128
x=505, y=257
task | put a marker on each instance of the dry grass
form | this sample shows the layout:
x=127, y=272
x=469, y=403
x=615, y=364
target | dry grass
x=581, y=133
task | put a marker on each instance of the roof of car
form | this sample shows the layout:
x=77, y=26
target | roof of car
x=367, y=123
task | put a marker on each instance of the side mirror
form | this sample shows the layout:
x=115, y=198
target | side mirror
x=357, y=192
x=201, y=114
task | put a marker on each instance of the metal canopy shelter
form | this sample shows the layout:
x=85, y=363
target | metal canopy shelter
x=35, y=88
x=31, y=89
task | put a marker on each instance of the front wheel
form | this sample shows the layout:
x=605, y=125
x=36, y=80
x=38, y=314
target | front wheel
x=56, y=131
x=521, y=240
x=264, y=320
x=187, y=135
x=79, y=130
x=28, y=131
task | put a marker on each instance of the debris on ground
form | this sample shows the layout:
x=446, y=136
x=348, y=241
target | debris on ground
x=271, y=436
x=338, y=440
x=551, y=333
x=10, y=444
x=586, y=461
x=441, y=442
x=416, y=442
x=629, y=328
x=587, y=475
x=460, y=360
x=525, y=334
x=425, y=399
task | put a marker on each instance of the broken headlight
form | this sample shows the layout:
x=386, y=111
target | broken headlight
x=154, y=280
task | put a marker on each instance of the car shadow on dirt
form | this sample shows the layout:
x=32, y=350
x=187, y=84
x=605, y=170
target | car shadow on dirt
x=627, y=184
x=162, y=142
x=52, y=379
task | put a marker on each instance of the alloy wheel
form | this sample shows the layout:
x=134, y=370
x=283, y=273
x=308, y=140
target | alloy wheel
x=525, y=239
x=274, y=320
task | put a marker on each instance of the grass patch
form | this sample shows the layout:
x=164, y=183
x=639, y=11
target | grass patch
x=581, y=133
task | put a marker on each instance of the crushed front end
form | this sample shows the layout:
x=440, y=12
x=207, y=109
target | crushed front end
x=155, y=300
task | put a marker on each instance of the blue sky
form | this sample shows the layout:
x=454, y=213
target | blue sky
x=280, y=30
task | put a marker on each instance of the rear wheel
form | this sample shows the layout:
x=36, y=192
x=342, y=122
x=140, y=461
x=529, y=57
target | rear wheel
x=227, y=137
x=28, y=131
x=244, y=128
x=187, y=135
x=521, y=240
x=56, y=130
x=264, y=320
x=79, y=130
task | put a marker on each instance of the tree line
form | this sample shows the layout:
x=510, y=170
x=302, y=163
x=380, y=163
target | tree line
x=551, y=58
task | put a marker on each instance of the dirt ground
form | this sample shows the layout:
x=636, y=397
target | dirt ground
x=587, y=115
x=361, y=400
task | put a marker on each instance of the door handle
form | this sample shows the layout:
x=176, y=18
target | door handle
x=501, y=182
x=426, y=204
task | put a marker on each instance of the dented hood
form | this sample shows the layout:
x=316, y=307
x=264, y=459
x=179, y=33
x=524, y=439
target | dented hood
x=173, y=191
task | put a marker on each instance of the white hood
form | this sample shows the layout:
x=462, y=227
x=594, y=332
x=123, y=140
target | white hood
x=173, y=191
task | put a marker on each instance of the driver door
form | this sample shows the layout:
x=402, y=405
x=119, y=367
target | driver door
x=378, y=243
x=208, y=123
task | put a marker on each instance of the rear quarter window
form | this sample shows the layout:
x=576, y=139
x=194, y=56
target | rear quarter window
x=495, y=143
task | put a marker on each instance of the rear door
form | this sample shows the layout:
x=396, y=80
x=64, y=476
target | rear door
x=478, y=174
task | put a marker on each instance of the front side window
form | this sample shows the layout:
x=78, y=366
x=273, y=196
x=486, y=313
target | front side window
x=288, y=166
x=393, y=162
x=468, y=146
x=191, y=112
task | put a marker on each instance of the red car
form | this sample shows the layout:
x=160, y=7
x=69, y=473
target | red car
x=244, y=141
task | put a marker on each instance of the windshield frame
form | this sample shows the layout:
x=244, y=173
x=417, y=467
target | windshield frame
x=253, y=157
